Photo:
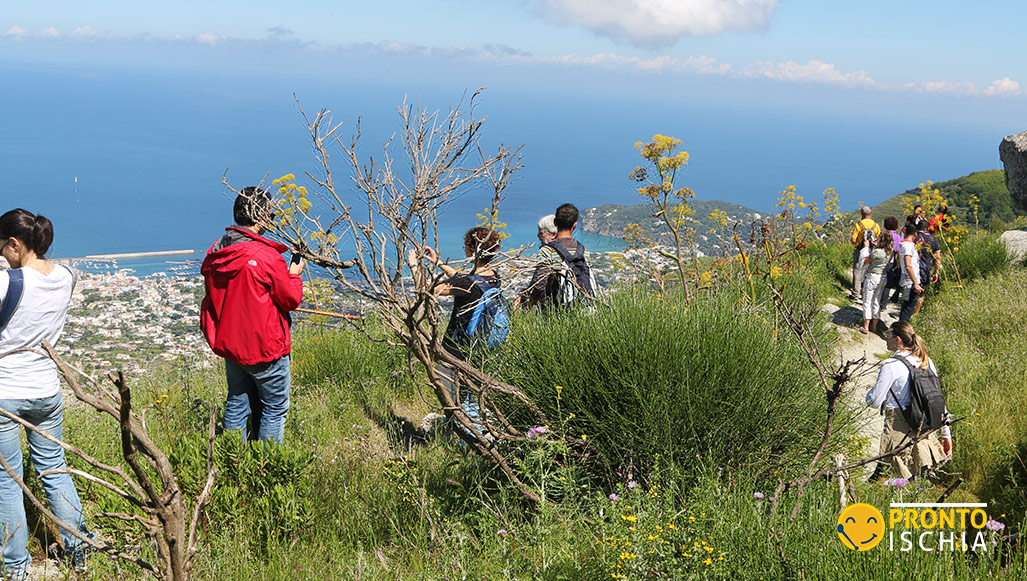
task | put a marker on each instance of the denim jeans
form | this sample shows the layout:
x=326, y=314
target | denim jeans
x=261, y=391
x=47, y=414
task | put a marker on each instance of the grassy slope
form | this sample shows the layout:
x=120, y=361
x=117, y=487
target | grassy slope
x=365, y=505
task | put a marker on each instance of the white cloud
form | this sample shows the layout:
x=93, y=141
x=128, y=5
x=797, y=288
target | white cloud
x=17, y=33
x=87, y=33
x=278, y=39
x=209, y=38
x=1003, y=86
x=811, y=72
x=659, y=23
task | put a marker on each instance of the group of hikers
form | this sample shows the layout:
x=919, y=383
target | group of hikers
x=906, y=260
x=245, y=318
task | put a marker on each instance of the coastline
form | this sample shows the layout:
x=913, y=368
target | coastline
x=131, y=255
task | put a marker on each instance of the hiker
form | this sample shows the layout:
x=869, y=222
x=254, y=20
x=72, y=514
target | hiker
x=563, y=276
x=891, y=226
x=864, y=228
x=547, y=229
x=876, y=259
x=916, y=218
x=481, y=245
x=940, y=221
x=245, y=317
x=36, y=294
x=909, y=262
x=891, y=393
x=929, y=254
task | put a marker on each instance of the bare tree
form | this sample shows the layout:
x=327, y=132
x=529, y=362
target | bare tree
x=157, y=502
x=368, y=223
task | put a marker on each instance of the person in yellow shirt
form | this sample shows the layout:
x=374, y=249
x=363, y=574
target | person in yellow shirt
x=859, y=240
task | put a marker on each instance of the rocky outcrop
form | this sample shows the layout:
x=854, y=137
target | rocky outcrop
x=1016, y=243
x=1013, y=152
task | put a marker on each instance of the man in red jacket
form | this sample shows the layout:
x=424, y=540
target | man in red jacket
x=245, y=316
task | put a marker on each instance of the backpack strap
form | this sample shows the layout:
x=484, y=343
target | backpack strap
x=15, y=286
x=564, y=254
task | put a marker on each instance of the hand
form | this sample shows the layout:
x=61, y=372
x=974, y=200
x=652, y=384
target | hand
x=946, y=446
x=430, y=255
x=297, y=267
x=934, y=277
x=918, y=289
x=412, y=257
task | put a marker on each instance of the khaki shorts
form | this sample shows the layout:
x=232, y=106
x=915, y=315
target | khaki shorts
x=927, y=453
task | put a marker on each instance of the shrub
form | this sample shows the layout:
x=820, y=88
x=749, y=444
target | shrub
x=653, y=381
x=977, y=256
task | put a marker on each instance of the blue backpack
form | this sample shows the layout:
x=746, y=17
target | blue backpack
x=490, y=321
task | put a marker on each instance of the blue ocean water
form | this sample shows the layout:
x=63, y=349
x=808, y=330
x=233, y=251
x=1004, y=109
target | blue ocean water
x=130, y=161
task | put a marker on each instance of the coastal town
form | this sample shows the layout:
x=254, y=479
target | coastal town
x=120, y=321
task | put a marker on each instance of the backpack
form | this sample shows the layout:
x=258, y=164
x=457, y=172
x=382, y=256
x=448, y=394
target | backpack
x=15, y=285
x=926, y=410
x=571, y=289
x=926, y=250
x=893, y=273
x=490, y=320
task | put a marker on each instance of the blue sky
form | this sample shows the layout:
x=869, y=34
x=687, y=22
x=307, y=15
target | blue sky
x=870, y=97
x=936, y=47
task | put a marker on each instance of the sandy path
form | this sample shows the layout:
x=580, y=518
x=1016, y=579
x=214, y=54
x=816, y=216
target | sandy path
x=853, y=345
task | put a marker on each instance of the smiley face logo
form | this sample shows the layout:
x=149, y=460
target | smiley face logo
x=861, y=527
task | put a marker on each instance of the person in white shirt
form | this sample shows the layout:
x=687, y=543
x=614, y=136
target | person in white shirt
x=35, y=294
x=910, y=283
x=891, y=393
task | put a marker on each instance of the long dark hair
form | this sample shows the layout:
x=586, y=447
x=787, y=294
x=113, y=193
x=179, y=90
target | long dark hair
x=35, y=232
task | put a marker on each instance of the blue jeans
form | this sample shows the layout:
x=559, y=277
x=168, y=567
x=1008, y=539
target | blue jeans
x=260, y=391
x=47, y=414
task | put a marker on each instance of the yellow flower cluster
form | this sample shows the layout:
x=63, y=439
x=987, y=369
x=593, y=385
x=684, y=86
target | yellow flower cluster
x=490, y=220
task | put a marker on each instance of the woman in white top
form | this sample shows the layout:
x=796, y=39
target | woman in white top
x=876, y=258
x=29, y=387
x=891, y=392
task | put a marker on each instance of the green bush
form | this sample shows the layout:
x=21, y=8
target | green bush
x=652, y=381
x=979, y=255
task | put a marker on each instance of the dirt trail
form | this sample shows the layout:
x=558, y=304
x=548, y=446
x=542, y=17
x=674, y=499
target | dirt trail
x=853, y=345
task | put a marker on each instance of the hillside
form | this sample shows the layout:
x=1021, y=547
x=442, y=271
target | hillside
x=611, y=219
x=989, y=187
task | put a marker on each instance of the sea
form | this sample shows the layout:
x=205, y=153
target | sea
x=132, y=161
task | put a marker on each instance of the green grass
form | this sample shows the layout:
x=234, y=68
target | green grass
x=975, y=336
x=653, y=383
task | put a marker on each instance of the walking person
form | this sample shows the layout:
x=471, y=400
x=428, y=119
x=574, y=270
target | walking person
x=563, y=276
x=876, y=259
x=35, y=295
x=864, y=229
x=891, y=393
x=929, y=255
x=245, y=317
x=909, y=261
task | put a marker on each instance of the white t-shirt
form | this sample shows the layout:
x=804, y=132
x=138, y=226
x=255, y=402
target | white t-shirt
x=40, y=315
x=909, y=249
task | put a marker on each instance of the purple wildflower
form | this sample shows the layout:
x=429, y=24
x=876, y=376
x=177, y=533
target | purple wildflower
x=994, y=525
x=614, y=498
x=897, y=482
x=757, y=495
x=536, y=431
x=632, y=484
x=501, y=532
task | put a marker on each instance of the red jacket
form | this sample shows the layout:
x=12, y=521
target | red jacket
x=250, y=292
